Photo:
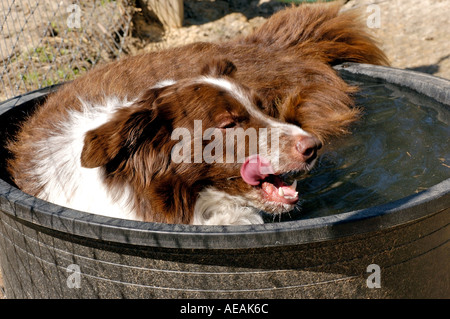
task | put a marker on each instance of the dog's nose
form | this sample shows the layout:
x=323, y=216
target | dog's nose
x=307, y=147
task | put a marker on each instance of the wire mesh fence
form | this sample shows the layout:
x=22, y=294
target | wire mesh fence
x=44, y=42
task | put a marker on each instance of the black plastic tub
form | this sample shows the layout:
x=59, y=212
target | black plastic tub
x=397, y=249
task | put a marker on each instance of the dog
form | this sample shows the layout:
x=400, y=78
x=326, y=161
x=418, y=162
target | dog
x=169, y=136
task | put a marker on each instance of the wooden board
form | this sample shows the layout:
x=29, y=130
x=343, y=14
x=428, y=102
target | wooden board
x=169, y=12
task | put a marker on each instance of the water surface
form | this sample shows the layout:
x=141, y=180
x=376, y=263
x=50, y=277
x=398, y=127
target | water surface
x=401, y=146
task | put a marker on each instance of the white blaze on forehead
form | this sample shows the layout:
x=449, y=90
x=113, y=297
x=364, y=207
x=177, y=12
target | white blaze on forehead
x=163, y=83
x=252, y=109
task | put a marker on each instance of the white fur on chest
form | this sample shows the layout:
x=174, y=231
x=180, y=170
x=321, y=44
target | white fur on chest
x=58, y=166
x=214, y=207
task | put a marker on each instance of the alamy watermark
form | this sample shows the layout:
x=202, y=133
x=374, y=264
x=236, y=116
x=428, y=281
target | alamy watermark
x=74, y=278
x=74, y=19
x=374, y=19
x=233, y=139
x=374, y=279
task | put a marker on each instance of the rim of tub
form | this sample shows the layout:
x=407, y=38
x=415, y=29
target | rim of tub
x=45, y=215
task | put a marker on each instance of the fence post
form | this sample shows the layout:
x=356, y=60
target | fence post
x=169, y=12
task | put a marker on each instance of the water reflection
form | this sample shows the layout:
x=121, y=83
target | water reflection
x=400, y=147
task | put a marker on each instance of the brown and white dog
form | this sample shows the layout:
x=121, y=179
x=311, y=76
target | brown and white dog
x=110, y=142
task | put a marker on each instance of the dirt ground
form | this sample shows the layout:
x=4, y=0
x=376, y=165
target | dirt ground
x=413, y=33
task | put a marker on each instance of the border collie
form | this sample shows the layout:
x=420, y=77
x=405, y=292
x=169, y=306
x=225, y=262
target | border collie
x=200, y=134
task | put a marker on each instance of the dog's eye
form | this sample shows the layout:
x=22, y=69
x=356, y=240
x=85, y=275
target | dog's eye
x=227, y=124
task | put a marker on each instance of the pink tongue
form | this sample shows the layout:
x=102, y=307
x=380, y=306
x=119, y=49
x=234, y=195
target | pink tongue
x=255, y=169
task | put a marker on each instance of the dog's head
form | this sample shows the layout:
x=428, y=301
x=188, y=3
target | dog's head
x=182, y=137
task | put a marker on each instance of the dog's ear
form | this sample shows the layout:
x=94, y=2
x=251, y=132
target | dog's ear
x=219, y=67
x=122, y=134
